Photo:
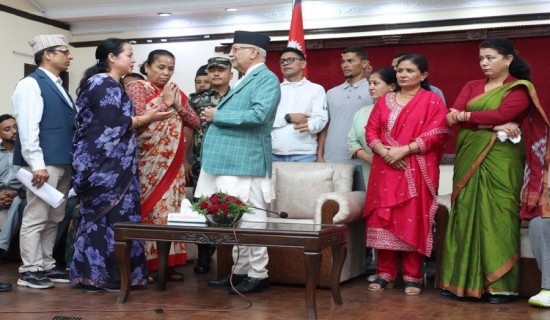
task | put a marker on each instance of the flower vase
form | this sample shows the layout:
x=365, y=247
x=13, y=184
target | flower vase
x=222, y=221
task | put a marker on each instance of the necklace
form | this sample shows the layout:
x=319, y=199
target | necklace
x=407, y=95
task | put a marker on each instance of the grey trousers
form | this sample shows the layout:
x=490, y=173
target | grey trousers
x=539, y=235
x=11, y=225
x=40, y=223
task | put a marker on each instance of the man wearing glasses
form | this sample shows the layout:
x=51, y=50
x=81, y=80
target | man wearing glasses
x=45, y=115
x=236, y=151
x=301, y=114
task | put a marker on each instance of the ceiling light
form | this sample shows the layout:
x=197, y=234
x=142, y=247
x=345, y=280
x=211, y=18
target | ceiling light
x=231, y=9
x=164, y=14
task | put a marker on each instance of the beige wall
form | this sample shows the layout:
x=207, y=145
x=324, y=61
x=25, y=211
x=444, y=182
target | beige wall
x=15, y=33
x=189, y=56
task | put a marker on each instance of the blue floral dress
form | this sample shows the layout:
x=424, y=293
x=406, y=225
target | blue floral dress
x=105, y=179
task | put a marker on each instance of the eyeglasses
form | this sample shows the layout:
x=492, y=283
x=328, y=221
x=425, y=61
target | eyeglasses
x=289, y=60
x=235, y=49
x=64, y=51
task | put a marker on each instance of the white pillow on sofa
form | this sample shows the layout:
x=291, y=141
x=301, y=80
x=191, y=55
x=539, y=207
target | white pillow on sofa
x=297, y=191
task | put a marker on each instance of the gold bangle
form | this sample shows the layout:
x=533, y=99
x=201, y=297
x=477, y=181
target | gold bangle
x=410, y=149
x=137, y=121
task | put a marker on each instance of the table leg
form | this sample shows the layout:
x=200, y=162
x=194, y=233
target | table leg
x=339, y=252
x=122, y=254
x=163, y=249
x=313, y=264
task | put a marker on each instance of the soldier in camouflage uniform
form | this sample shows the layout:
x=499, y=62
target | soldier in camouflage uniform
x=219, y=72
x=219, y=76
x=201, y=79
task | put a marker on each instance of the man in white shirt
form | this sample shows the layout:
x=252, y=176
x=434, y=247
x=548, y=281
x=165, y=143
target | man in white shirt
x=45, y=114
x=301, y=114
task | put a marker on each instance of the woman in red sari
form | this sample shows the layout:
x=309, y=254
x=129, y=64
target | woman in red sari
x=406, y=131
x=161, y=151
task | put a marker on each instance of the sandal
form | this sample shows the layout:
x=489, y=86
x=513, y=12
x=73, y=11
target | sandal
x=380, y=284
x=412, y=288
x=173, y=275
x=152, y=277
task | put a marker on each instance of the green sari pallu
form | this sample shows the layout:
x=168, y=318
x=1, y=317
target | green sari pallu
x=481, y=250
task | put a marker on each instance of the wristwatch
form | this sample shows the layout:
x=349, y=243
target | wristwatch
x=287, y=117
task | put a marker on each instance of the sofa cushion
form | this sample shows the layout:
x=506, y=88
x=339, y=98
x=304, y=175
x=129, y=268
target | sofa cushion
x=297, y=190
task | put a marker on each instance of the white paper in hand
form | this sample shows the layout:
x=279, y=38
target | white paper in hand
x=502, y=136
x=47, y=193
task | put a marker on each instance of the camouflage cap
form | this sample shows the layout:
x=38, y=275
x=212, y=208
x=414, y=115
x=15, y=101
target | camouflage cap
x=219, y=62
x=201, y=71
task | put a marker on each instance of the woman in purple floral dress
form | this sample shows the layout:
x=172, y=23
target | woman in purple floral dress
x=105, y=169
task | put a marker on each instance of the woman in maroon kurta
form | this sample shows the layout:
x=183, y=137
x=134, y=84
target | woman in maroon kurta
x=406, y=131
x=481, y=249
x=513, y=109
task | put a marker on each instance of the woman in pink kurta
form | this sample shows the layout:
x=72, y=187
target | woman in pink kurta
x=161, y=152
x=406, y=131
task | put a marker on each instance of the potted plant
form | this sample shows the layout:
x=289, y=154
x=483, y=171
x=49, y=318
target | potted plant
x=221, y=209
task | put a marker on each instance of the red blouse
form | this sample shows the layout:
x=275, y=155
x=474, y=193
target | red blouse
x=514, y=106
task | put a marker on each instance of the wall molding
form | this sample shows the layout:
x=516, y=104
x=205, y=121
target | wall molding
x=33, y=17
x=420, y=36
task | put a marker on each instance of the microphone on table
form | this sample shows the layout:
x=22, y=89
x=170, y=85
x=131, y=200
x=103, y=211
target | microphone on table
x=281, y=214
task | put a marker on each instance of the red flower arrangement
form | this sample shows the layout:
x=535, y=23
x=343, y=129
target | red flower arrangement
x=222, y=205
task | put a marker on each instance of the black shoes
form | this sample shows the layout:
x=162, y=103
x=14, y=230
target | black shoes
x=203, y=261
x=5, y=287
x=35, y=280
x=58, y=276
x=203, y=264
x=498, y=299
x=493, y=299
x=447, y=294
x=251, y=285
x=224, y=282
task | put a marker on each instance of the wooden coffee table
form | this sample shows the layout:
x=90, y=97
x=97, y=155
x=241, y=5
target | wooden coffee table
x=312, y=238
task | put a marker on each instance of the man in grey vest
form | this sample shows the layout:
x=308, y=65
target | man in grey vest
x=45, y=115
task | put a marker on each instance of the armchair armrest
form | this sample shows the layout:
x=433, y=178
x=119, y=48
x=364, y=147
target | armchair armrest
x=339, y=207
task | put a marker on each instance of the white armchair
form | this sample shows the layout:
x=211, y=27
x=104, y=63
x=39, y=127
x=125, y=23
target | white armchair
x=313, y=193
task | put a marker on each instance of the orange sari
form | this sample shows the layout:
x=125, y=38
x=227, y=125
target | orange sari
x=160, y=163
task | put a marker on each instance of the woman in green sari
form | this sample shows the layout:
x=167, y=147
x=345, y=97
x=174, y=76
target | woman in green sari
x=499, y=116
